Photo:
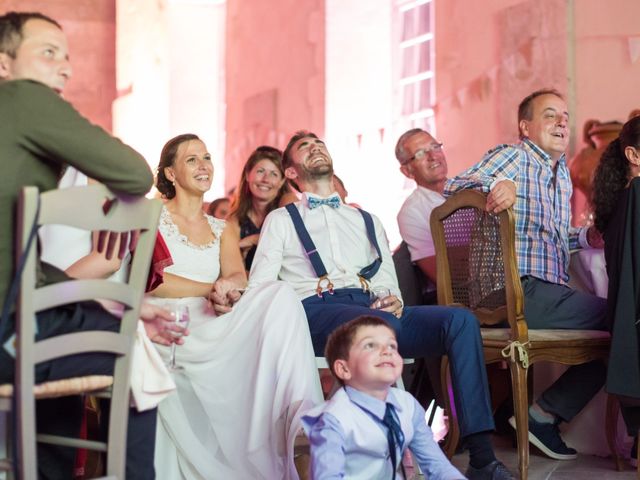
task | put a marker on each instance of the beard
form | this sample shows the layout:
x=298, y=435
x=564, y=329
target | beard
x=318, y=172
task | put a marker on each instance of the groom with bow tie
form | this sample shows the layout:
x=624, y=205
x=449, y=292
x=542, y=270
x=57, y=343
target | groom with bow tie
x=335, y=255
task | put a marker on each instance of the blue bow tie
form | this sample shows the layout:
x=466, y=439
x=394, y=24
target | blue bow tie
x=333, y=201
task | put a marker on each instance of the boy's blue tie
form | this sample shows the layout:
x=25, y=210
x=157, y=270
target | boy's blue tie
x=395, y=437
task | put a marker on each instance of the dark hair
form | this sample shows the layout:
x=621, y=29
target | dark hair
x=612, y=174
x=12, y=26
x=401, y=154
x=167, y=157
x=525, y=109
x=211, y=209
x=286, y=156
x=341, y=339
x=242, y=203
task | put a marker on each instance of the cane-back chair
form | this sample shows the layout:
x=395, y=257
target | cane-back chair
x=477, y=268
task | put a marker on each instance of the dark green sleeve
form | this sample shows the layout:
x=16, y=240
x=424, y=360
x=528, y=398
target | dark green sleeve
x=50, y=128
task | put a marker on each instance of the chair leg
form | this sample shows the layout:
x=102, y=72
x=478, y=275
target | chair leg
x=521, y=413
x=9, y=446
x=25, y=428
x=611, y=428
x=453, y=435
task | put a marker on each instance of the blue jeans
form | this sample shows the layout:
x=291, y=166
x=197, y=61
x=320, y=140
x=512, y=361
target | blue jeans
x=422, y=331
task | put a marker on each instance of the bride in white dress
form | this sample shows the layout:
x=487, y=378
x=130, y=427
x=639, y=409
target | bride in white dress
x=249, y=369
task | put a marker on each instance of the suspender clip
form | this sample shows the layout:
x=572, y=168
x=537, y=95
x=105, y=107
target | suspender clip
x=364, y=283
x=329, y=285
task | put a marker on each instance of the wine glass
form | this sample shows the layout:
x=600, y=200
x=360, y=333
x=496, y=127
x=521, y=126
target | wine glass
x=377, y=295
x=181, y=314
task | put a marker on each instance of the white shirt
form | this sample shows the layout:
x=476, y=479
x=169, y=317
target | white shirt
x=413, y=222
x=341, y=239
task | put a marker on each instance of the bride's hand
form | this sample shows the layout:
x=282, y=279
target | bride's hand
x=222, y=296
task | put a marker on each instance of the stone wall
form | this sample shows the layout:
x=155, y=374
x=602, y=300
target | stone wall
x=90, y=27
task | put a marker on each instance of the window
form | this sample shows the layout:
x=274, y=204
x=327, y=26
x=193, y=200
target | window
x=415, y=79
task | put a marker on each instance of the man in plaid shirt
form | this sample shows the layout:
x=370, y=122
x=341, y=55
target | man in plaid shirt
x=532, y=176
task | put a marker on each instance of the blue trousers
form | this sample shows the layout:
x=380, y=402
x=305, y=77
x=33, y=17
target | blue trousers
x=422, y=331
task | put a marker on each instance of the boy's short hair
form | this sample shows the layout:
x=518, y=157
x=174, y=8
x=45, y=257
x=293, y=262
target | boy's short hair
x=341, y=339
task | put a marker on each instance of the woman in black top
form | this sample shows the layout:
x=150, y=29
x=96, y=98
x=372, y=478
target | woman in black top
x=616, y=198
x=260, y=189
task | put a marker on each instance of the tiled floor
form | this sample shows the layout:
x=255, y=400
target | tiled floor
x=585, y=467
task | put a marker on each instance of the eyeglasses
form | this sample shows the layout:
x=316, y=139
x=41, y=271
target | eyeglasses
x=425, y=152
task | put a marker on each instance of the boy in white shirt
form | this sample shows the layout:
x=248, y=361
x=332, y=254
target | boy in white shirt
x=364, y=429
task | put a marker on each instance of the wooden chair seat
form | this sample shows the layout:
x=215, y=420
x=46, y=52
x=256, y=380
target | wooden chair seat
x=64, y=387
x=551, y=335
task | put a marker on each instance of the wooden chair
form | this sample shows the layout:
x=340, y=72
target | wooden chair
x=477, y=269
x=89, y=208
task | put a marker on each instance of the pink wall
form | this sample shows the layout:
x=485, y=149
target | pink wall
x=90, y=27
x=608, y=83
x=275, y=65
x=491, y=54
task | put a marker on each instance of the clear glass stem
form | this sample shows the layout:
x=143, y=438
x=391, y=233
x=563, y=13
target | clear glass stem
x=172, y=358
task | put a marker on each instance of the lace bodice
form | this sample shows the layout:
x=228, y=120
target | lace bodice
x=195, y=262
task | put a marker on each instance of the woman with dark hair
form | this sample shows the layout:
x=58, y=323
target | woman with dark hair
x=261, y=187
x=248, y=369
x=616, y=197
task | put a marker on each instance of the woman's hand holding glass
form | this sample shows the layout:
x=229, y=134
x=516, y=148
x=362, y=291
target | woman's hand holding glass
x=160, y=325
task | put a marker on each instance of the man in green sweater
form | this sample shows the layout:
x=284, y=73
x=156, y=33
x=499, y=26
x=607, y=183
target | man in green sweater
x=41, y=133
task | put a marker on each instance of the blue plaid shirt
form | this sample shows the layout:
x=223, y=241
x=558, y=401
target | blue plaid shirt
x=542, y=208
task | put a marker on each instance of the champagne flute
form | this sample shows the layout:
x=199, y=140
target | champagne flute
x=181, y=314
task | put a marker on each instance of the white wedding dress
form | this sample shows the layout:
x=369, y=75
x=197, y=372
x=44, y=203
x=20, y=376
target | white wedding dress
x=248, y=376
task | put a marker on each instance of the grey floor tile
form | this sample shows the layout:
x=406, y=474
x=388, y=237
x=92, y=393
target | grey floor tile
x=585, y=467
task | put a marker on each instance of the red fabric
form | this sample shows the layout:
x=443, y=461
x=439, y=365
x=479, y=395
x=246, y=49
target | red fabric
x=81, y=453
x=160, y=259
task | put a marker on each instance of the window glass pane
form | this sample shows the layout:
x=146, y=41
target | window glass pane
x=424, y=56
x=408, y=25
x=423, y=13
x=411, y=61
x=408, y=63
x=425, y=94
x=408, y=99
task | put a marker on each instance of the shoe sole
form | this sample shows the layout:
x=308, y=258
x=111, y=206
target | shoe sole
x=542, y=447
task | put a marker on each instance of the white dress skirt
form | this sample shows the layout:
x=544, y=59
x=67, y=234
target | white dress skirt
x=248, y=377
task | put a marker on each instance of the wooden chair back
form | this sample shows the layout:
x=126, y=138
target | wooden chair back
x=477, y=263
x=89, y=208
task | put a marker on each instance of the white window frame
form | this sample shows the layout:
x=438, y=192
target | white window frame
x=416, y=117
